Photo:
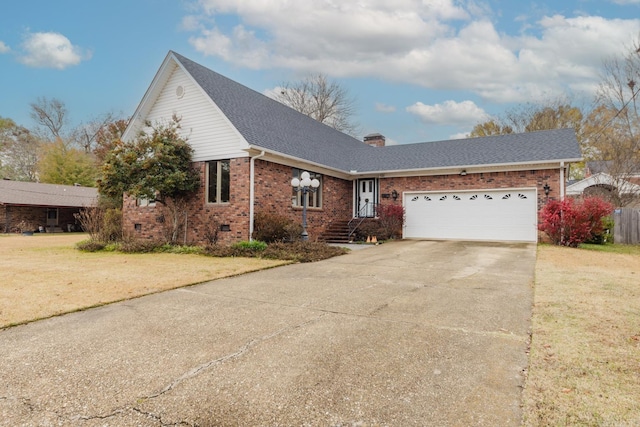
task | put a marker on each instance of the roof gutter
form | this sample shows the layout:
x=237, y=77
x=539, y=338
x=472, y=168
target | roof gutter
x=264, y=151
x=454, y=169
x=252, y=192
x=449, y=170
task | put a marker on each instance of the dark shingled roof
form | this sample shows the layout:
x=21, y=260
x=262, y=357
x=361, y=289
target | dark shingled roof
x=268, y=124
x=36, y=194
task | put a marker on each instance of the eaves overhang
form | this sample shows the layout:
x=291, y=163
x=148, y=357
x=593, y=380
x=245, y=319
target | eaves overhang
x=449, y=170
x=297, y=162
x=457, y=169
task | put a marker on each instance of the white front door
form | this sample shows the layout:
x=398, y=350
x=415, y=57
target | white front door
x=366, y=198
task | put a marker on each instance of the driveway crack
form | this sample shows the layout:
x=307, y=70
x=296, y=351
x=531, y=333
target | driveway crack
x=236, y=354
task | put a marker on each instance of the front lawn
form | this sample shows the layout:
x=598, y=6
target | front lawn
x=44, y=275
x=585, y=350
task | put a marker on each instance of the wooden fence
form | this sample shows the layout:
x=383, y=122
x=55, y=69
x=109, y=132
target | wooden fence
x=627, y=226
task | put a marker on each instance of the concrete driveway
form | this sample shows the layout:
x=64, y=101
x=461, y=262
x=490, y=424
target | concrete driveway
x=413, y=333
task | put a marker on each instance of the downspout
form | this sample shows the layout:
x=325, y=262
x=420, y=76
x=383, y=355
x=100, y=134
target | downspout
x=561, y=181
x=252, y=195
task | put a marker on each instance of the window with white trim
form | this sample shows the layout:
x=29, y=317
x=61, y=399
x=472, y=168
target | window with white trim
x=218, y=181
x=314, y=199
x=146, y=201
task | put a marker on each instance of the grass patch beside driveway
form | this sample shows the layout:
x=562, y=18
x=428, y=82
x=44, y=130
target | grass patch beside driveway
x=44, y=275
x=585, y=351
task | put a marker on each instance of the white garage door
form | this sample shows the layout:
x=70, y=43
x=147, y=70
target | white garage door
x=499, y=215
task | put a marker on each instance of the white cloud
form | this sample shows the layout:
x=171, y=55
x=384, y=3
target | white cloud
x=384, y=108
x=51, y=50
x=449, y=113
x=3, y=47
x=439, y=44
x=461, y=135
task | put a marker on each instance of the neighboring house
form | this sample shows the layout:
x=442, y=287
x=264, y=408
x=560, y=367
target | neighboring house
x=622, y=189
x=27, y=206
x=248, y=147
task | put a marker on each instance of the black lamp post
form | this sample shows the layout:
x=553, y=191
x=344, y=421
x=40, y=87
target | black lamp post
x=305, y=185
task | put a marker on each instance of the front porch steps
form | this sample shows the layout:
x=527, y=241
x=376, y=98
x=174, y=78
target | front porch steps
x=336, y=232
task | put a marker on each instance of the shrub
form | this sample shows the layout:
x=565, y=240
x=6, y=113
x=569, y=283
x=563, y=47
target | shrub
x=91, y=220
x=271, y=227
x=102, y=224
x=136, y=246
x=606, y=236
x=255, y=245
x=111, y=230
x=369, y=227
x=391, y=218
x=302, y=251
x=211, y=231
x=90, y=245
x=570, y=222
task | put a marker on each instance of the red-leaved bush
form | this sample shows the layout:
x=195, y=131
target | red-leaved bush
x=571, y=222
x=391, y=219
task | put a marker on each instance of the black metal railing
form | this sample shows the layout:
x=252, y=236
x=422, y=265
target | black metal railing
x=361, y=215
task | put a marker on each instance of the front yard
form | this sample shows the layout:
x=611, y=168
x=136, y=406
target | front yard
x=585, y=350
x=43, y=275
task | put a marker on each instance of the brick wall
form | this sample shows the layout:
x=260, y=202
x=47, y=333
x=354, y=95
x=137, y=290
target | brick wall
x=32, y=217
x=148, y=222
x=272, y=193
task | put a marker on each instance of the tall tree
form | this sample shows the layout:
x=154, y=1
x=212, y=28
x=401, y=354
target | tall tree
x=156, y=165
x=50, y=116
x=490, y=128
x=107, y=137
x=86, y=135
x=18, y=152
x=551, y=114
x=324, y=100
x=615, y=133
x=62, y=164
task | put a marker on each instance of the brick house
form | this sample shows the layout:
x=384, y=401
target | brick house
x=248, y=148
x=26, y=206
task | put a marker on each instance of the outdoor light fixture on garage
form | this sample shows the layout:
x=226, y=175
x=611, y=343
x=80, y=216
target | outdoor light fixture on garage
x=546, y=189
x=463, y=173
x=305, y=185
x=394, y=195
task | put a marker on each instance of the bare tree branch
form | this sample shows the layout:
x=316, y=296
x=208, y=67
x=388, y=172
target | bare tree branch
x=50, y=117
x=321, y=99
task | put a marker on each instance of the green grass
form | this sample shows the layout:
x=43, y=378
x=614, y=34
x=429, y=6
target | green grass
x=613, y=248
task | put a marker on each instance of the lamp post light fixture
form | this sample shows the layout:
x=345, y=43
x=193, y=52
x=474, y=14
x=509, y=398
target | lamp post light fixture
x=305, y=185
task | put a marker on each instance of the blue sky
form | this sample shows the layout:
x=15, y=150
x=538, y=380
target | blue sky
x=420, y=70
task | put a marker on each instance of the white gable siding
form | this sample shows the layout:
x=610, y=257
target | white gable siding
x=205, y=127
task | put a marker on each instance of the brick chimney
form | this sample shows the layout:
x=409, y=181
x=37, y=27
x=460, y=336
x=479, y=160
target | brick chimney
x=375, y=140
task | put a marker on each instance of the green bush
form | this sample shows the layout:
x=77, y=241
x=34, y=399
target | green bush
x=255, y=245
x=138, y=246
x=605, y=235
x=90, y=245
